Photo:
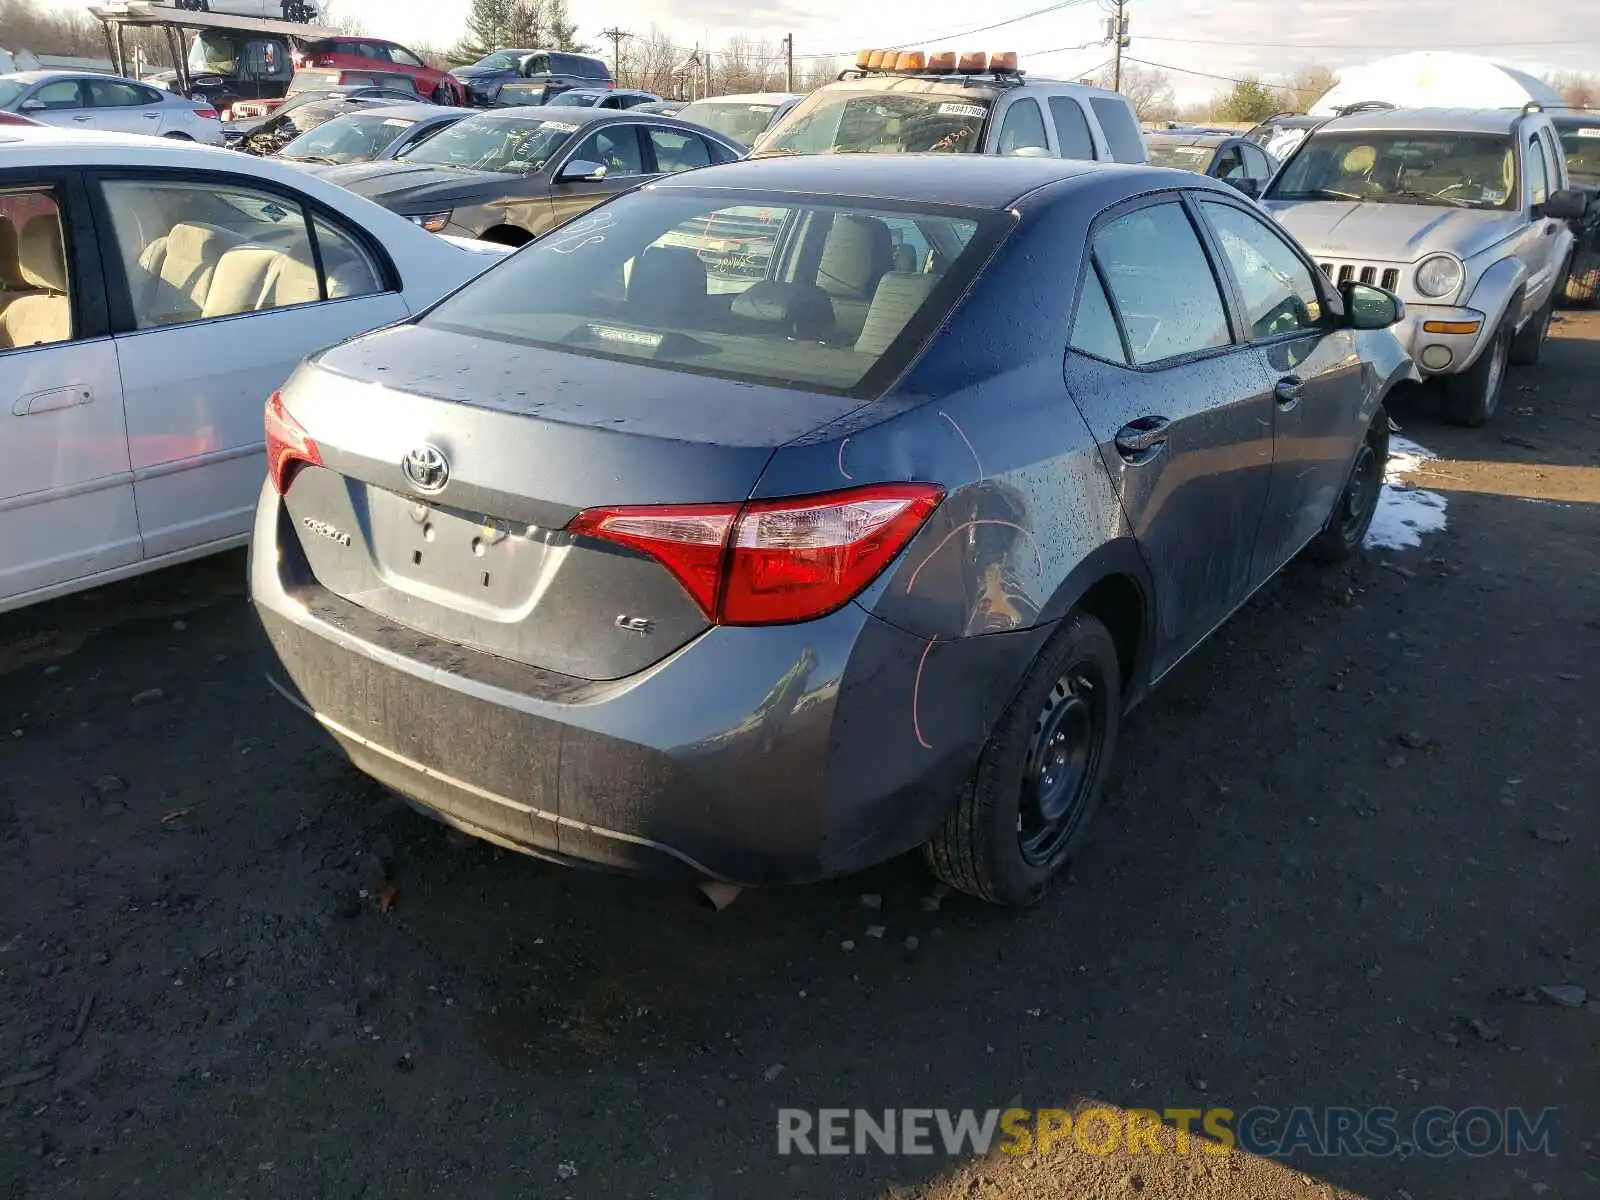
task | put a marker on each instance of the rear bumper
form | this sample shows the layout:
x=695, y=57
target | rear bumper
x=758, y=756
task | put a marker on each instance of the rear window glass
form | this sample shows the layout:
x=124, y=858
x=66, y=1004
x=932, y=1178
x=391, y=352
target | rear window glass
x=834, y=296
x=1122, y=132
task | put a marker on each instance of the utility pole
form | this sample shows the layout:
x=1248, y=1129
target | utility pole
x=616, y=35
x=788, y=61
x=1118, y=28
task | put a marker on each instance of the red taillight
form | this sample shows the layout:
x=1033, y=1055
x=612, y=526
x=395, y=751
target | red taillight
x=288, y=447
x=770, y=562
x=207, y=114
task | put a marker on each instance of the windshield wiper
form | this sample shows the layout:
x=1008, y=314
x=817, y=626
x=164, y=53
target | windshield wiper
x=1319, y=194
x=312, y=158
x=1427, y=198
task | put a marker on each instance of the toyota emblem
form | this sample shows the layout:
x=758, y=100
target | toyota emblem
x=427, y=468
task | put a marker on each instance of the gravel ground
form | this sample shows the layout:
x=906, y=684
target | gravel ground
x=1348, y=842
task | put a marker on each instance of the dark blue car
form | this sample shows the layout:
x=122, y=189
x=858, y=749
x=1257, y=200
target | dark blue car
x=776, y=518
x=554, y=68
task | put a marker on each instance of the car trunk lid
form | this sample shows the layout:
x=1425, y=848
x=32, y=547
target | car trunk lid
x=451, y=466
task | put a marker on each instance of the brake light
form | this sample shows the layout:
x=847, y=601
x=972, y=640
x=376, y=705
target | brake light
x=288, y=446
x=771, y=562
x=207, y=114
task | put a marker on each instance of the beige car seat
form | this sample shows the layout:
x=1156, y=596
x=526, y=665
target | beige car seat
x=43, y=315
x=180, y=268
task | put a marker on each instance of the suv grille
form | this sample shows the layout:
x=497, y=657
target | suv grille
x=1387, y=278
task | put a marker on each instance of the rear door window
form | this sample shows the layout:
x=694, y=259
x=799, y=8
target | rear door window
x=1162, y=284
x=678, y=151
x=1122, y=132
x=1022, y=130
x=1072, y=128
x=1538, y=172
x=1094, y=332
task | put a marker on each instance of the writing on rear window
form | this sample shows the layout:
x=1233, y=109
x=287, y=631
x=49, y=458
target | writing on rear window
x=962, y=110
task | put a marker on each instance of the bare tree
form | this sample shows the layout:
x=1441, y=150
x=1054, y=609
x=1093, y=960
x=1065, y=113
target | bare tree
x=331, y=14
x=1308, y=85
x=1149, y=91
x=1577, y=89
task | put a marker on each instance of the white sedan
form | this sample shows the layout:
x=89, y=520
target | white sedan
x=77, y=100
x=285, y=10
x=153, y=294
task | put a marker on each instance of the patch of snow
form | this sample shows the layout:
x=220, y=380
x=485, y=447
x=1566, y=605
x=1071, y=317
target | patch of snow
x=1405, y=511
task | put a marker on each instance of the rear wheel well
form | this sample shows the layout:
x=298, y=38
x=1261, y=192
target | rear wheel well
x=1118, y=604
x=507, y=235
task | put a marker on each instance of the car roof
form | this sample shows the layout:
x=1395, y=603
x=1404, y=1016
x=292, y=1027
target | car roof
x=571, y=114
x=749, y=98
x=970, y=180
x=44, y=76
x=1575, y=117
x=1182, y=137
x=1451, y=120
x=417, y=112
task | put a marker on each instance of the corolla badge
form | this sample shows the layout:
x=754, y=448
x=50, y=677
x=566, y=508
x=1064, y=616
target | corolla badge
x=427, y=468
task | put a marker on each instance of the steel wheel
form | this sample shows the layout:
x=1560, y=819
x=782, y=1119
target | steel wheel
x=1496, y=377
x=1360, y=494
x=1061, y=764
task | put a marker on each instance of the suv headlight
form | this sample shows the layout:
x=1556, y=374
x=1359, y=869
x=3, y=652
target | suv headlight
x=1438, y=276
x=432, y=222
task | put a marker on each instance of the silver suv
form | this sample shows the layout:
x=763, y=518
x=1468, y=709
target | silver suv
x=982, y=112
x=1461, y=213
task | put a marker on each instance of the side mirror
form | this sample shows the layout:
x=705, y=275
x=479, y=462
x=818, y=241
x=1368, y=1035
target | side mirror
x=31, y=106
x=1568, y=204
x=1368, y=307
x=1250, y=187
x=581, y=170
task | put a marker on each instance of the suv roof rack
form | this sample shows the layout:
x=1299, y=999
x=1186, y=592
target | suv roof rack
x=1532, y=106
x=1360, y=106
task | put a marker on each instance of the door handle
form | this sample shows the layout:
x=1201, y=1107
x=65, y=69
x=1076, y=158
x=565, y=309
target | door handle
x=82, y=120
x=1288, y=391
x=53, y=400
x=1142, y=436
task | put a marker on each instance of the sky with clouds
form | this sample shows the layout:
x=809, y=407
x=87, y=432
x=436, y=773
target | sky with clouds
x=1267, y=38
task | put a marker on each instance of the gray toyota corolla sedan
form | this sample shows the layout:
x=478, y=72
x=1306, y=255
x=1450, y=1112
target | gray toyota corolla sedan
x=509, y=175
x=768, y=522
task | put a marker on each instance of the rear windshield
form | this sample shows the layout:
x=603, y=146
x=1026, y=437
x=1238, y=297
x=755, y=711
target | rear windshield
x=313, y=81
x=1179, y=154
x=515, y=146
x=829, y=295
x=1582, y=146
x=742, y=122
x=573, y=100
x=853, y=122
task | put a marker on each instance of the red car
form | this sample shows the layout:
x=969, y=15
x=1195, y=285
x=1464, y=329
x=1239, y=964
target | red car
x=373, y=54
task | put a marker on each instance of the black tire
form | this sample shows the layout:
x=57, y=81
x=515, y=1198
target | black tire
x=1016, y=828
x=1352, y=516
x=1583, y=277
x=1472, y=397
x=441, y=95
x=1528, y=346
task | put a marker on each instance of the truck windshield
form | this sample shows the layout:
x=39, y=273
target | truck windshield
x=214, y=53
x=854, y=122
x=1582, y=147
x=1456, y=170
